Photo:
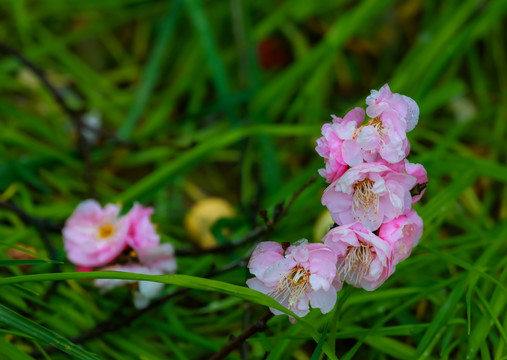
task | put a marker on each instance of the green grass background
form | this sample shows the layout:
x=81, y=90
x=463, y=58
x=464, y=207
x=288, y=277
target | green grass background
x=183, y=83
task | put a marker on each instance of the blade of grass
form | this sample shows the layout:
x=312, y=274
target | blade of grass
x=164, y=175
x=198, y=18
x=151, y=71
x=15, y=321
x=446, y=310
x=320, y=344
x=180, y=280
x=436, y=206
x=491, y=313
x=10, y=351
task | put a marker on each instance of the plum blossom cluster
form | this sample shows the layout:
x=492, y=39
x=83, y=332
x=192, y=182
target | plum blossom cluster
x=99, y=238
x=372, y=188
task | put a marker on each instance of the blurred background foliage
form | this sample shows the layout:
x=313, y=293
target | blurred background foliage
x=219, y=103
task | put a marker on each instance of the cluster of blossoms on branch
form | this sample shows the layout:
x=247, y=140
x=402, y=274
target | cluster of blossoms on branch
x=99, y=238
x=370, y=197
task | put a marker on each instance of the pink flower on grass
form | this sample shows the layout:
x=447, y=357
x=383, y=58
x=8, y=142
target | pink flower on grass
x=142, y=232
x=419, y=172
x=363, y=259
x=94, y=236
x=384, y=101
x=403, y=233
x=337, y=148
x=416, y=170
x=384, y=135
x=157, y=260
x=369, y=193
x=305, y=273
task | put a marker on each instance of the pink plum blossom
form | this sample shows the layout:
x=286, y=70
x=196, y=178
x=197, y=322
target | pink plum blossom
x=304, y=274
x=383, y=138
x=419, y=172
x=157, y=260
x=384, y=134
x=142, y=232
x=363, y=259
x=416, y=170
x=384, y=101
x=369, y=193
x=347, y=142
x=403, y=233
x=94, y=236
x=336, y=147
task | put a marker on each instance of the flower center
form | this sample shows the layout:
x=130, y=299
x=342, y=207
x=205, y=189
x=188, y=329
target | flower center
x=291, y=286
x=106, y=231
x=356, y=265
x=375, y=122
x=364, y=197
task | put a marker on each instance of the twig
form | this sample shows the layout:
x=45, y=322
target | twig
x=30, y=220
x=293, y=198
x=54, y=256
x=259, y=325
x=258, y=232
x=44, y=80
x=253, y=235
x=42, y=226
x=75, y=115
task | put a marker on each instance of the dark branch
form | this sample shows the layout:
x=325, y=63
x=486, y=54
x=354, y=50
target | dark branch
x=252, y=236
x=259, y=325
x=30, y=220
x=75, y=115
x=257, y=233
x=42, y=227
x=285, y=209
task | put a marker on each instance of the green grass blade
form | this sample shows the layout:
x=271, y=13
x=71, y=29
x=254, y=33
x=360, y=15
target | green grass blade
x=19, y=323
x=180, y=280
x=164, y=175
x=151, y=72
x=320, y=344
x=10, y=351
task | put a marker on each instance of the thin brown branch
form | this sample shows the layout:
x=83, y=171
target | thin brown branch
x=75, y=115
x=258, y=326
x=30, y=220
x=252, y=236
x=43, y=79
x=42, y=227
x=260, y=231
x=285, y=209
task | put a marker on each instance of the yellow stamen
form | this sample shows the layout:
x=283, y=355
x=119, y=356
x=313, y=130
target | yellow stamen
x=364, y=197
x=291, y=286
x=356, y=264
x=106, y=231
